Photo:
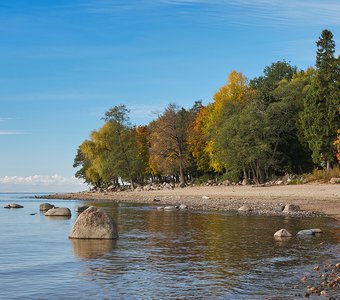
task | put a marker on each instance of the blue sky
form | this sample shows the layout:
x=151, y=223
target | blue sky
x=64, y=63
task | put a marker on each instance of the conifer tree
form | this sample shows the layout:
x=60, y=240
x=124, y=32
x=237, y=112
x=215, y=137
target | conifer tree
x=319, y=120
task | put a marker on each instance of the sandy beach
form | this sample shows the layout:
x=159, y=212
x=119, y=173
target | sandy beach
x=324, y=198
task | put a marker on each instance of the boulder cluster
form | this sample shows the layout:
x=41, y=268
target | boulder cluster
x=283, y=233
x=92, y=222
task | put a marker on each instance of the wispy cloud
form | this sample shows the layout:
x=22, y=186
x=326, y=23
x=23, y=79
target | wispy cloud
x=38, y=180
x=241, y=12
x=5, y=119
x=54, y=96
x=10, y=132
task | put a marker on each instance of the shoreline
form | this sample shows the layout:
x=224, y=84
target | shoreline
x=313, y=199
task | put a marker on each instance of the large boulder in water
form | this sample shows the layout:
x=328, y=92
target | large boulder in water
x=58, y=212
x=94, y=223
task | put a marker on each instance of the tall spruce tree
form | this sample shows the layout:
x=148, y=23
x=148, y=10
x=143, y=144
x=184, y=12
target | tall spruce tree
x=319, y=120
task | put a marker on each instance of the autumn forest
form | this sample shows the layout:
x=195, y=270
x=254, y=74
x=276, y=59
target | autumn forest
x=286, y=121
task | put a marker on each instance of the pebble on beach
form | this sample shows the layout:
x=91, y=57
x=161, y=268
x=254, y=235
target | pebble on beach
x=324, y=281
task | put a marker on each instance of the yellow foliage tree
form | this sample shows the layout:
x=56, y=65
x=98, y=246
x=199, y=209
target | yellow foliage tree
x=236, y=90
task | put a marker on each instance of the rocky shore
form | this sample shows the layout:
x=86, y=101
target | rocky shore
x=313, y=199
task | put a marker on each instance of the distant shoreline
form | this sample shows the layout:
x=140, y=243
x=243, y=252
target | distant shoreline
x=321, y=198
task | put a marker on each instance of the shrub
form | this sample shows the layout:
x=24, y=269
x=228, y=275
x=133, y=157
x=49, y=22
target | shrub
x=231, y=176
x=323, y=175
x=203, y=179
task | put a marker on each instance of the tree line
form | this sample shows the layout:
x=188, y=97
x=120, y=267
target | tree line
x=284, y=121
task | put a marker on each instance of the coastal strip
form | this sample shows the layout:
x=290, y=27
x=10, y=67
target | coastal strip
x=313, y=199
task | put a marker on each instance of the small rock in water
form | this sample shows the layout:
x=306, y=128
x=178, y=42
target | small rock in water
x=305, y=232
x=282, y=233
x=170, y=208
x=13, y=205
x=183, y=206
x=58, y=212
x=160, y=208
x=244, y=208
x=309, y=231
x=46, y=206
x=32, y=214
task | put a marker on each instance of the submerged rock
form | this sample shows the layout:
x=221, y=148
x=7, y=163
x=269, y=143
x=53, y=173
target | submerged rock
x=291, y=208
x=46, y=206
x=94, y=223
x=170, y=207
x=13, y=205
x=282, y=233
x=305, y=232
x=58, y=212
x=80, y=209
x=309, y=231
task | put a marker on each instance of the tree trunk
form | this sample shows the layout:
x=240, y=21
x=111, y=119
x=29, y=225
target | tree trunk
x=181, y=174
x=181, y=170
x=245, y=176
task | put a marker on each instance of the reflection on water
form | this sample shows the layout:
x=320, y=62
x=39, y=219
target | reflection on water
x=159, y=255
x=90, y=248
x=57, y=218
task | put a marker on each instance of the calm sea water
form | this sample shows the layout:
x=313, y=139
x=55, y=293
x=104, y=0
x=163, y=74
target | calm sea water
x=159, y=255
